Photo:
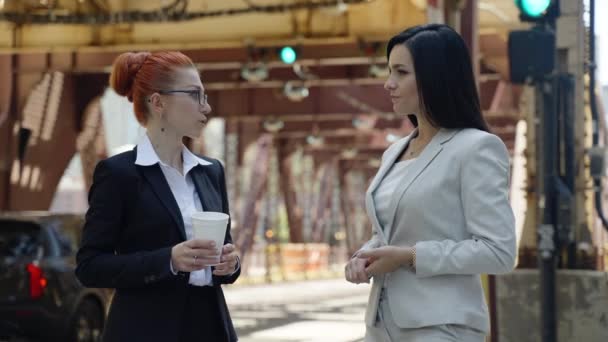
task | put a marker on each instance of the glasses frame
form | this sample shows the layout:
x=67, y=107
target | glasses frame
x=188, y=91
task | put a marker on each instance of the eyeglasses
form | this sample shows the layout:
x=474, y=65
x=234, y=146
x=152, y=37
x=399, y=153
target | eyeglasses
x=194, y=94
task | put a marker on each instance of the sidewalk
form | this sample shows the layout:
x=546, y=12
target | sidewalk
x=330, y=310
x=293, y=291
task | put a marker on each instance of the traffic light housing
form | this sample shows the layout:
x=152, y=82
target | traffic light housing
x=531, y=54
x=537, y=10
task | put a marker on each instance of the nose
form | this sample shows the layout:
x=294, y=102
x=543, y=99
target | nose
x=389, y=84
x=205, y=108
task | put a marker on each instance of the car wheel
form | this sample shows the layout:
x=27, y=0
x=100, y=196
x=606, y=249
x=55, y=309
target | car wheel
x=87, y=323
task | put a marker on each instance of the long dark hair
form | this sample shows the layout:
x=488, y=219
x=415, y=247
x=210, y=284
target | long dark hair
x=444, y=76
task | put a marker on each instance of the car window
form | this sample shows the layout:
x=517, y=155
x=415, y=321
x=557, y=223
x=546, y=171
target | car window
x=67, y=237
x=19, y=239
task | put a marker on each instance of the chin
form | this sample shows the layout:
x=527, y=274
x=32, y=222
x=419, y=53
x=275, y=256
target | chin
x=400, y=111
x=197, y=135
x=194, y=134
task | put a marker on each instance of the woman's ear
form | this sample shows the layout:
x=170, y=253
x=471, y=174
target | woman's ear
x=155, y=102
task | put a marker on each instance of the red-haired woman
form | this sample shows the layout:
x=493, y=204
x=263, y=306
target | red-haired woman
x=138, y=235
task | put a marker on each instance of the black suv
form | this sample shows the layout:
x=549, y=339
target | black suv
x=40, y=297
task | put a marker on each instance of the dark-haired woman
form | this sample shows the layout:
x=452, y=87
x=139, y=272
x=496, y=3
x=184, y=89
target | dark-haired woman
x=138, y=236
x=439, y=202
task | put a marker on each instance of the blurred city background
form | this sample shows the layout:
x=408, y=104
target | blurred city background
x=300, y=120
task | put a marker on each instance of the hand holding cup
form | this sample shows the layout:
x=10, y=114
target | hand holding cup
x=194, y=255
x=207, y=247
x=228, y=261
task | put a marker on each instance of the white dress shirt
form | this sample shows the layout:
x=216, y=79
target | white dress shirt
x=183, y=191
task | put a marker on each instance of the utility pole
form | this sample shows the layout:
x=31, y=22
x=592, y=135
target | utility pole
x=532, y=58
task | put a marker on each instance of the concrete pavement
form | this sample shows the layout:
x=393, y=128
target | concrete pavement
x=304, y=311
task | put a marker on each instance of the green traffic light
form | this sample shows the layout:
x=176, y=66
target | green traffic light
x=533, y=8
x=288, y=55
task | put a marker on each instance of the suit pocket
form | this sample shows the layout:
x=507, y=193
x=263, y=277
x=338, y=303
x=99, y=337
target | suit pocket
x=462, y=332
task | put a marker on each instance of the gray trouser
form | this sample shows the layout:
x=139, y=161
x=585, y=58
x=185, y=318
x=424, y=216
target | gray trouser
x=385, y=330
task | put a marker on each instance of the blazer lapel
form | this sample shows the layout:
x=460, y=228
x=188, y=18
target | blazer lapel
x=386, y=165
x=415, y=169
x=210, y=199
x=154, y=175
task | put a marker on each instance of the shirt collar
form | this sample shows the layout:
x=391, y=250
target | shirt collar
x=146, y=156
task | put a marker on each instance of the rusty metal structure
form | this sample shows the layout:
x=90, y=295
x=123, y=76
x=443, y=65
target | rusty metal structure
x=330, y=107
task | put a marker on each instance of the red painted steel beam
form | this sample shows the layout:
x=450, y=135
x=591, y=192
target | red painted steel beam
x=8, y=116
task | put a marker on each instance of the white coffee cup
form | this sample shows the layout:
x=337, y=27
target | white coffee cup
x=210, y=225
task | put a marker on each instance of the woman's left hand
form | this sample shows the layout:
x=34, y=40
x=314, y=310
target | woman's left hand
x=228, y=261
x=386, y=259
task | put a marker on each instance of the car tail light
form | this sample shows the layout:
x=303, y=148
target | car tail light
x=37, y=281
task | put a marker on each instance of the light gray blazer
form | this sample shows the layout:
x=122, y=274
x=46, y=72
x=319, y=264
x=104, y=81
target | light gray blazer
x=453, y=206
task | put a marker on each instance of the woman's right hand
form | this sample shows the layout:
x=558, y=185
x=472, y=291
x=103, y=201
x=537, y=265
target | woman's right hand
x=355, y=271
x=194, y=255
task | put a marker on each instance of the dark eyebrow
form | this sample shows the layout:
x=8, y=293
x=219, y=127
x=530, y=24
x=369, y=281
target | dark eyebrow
x=397, y=65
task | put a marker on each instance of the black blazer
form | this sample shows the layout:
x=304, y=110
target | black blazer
x=132, y=223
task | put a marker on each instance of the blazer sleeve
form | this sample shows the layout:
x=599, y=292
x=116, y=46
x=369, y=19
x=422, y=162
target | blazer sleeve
x=372, y=243
x=491, y=248
x=231, y=278
x=98, y=265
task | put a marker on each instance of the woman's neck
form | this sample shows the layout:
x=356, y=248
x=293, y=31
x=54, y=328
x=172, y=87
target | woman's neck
x=426, y=131
x=167, y=145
